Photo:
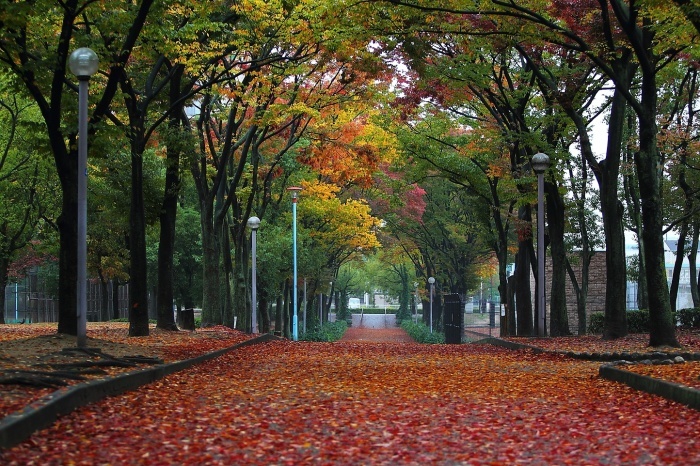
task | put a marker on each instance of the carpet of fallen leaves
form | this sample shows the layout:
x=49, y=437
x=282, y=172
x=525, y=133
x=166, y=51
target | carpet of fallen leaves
x=687, y=374
x=37, y=346
x=284, y=403
x=689, y=340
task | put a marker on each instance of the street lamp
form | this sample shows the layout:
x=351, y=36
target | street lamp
x=254, y=224
x=82, y=63
x=294, y=190
x=415, y=301
x=431, y=280
x=540, y=163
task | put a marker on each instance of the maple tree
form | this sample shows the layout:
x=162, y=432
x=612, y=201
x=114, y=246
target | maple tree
x=604, y=26
x=255, y=133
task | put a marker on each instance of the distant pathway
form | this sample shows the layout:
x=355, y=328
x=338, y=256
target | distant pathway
x=377, y=335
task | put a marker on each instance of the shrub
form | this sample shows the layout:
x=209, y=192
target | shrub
x=596, y=323
x=637, y=322
x=689, y=317
x=421, y=332
x=330, y=331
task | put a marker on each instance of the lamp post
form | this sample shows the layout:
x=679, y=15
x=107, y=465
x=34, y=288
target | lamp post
x=540, y=163
x=431, y=280
x=294, y=190
x=254, y=224
x=83, y=63
x=330, y=301
x=415, y=301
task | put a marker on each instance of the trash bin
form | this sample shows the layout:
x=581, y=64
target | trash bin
x=185, y=319
x=454, y=318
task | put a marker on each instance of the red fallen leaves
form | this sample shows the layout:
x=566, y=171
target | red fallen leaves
x=639, y=343
x=358, y=403
x=15, y=332
x=26, y=347
x=393, y=334
x=687, y=374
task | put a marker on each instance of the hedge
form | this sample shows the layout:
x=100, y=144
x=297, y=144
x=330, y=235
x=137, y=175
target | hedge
x=638, y=321
x=421, y=332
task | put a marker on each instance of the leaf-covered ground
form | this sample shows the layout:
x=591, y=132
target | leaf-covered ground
x=634, y=343
x=37, y=347
x=381, y=403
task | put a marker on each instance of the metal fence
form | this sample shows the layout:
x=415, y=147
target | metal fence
x=28, y=301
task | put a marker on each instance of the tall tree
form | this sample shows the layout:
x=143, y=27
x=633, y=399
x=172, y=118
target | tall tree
x=25, y=183
x=36, y=39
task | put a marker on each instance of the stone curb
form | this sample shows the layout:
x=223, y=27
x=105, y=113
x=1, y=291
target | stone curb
x=672, y=391
x=17, y=427
x=669, y=390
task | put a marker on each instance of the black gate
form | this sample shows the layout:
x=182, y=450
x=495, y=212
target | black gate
x=454, y=318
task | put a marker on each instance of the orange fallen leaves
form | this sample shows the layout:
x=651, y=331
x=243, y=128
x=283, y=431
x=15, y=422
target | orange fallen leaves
x=635, y=343
x=383, y=403
x=687, y=374
x=26, y=347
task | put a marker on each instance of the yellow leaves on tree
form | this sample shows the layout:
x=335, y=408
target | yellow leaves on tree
x=342, y=228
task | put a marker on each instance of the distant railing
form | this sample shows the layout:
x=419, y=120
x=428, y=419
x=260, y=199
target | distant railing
x=28, y=302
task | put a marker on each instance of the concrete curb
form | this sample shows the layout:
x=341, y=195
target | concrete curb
x=17, y=427
x=669, y=390
x=508, y=344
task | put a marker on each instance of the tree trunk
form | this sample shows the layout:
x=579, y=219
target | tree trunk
x=286, y=308
x=615, y=323
x=4, y=265
x=279, y=312
x=510, y=310
x=635, y=209
x=168, y=213
x=559, y=316
x=663, y=328
x=523, y=259
x=678, y=266
x=692, y=264
x=228, y=278
x=104, y=299
x=138, y=282
x=264, y=313
x=581, y=290
x=115, y=298
x=67, y=166
x=211, y=306
x=242, y=304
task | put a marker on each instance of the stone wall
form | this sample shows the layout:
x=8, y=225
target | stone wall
x=596, y=288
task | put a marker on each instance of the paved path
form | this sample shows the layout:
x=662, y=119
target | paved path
x=371, y=335
x=344, y=403
x=374, y=320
